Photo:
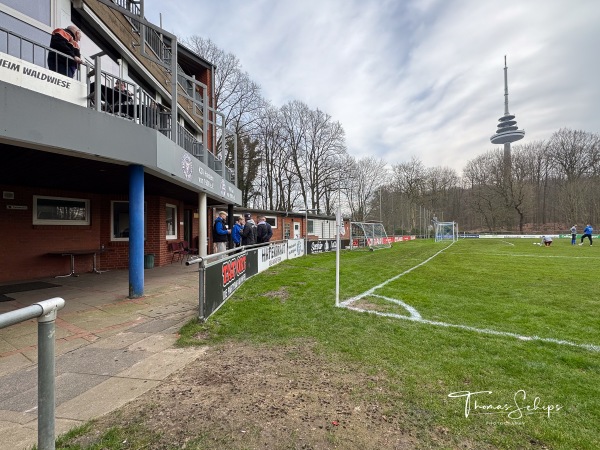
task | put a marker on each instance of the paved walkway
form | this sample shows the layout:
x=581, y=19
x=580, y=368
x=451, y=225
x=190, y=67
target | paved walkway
x=109, y=349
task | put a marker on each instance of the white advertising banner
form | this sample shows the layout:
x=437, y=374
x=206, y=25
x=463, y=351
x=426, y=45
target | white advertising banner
x=271, y=254
x=295, y=248
x=35, y=78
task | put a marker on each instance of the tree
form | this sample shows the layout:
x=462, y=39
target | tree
x=364, y=177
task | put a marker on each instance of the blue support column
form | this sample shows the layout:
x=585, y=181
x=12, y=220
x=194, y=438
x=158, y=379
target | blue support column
x=136, y=231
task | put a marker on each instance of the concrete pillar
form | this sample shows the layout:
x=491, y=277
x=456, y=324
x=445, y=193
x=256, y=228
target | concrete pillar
x=202, y=227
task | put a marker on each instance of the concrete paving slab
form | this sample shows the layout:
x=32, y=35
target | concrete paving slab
x=98, y=361
x=95, y=320
x=16, y=438
x=153, y=326
x=67, y=386
x=11, y=418
x=12, y=363
x=122, y=340
x=5, y=346
x=16, y=382
x=104, y=398
x=168, y=309
x=154, y=343
x=163, y=364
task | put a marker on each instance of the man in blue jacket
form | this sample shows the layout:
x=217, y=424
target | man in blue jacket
x=587, y=233
x=220, y=233
x=236, y=233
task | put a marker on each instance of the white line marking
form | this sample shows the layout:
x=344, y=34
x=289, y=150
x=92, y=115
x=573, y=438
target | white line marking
x=415, y=316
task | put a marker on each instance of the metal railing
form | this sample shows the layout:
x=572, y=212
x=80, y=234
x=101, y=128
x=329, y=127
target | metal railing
x=45, y=312
x=127, y=100
x=28, y=50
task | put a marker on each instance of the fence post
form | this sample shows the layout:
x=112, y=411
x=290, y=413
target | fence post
x=46, y=372
x=201, y=293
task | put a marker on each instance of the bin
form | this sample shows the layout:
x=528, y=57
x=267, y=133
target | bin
x=149, y=261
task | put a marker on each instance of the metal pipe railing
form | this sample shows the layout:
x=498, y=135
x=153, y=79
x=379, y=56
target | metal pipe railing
x=139, y=106
x=45, y=312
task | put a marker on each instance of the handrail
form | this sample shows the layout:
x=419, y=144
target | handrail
x=45, y=312
x=34, y=51
x=142, y=108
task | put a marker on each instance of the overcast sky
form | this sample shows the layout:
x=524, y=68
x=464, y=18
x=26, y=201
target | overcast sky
x=417, y=78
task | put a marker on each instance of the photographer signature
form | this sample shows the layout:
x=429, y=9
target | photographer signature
x=515, y=410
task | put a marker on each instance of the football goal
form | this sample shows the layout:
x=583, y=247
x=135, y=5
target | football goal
x=370, y=235
x=446, y=231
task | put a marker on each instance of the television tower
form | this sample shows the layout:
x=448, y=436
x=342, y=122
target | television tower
x=507, y=131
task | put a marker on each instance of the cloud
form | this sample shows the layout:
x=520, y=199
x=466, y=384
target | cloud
x=412, y=78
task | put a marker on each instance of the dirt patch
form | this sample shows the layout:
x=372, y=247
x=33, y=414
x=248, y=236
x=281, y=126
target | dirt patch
x=239, y=396
x=281, y=294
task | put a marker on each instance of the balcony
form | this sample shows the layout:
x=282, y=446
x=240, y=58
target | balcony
x=118, y=97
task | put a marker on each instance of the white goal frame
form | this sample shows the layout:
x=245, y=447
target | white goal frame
x=446, y=231
x=370, y=235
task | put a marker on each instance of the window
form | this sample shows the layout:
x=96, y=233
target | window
x=38, y=10
x=286, y=231
x=272, y=221
x=171, y=221
x=60, y=211
x=310, y=227
x=120, y=221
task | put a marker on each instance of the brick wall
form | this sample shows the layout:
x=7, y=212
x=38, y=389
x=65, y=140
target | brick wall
x=24, y=247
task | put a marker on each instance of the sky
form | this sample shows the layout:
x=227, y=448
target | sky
x=418, y=78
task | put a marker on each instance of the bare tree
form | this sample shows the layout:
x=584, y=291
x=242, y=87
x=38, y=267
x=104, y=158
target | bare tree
x=320, y=162
x=365, y=176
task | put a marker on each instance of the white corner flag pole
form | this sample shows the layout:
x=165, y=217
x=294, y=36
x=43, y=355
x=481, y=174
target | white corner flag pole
x=338, y=220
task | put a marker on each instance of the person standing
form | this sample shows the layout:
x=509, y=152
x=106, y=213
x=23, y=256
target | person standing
x=236, y=233
x=249, y=231
x=264, y=232
x=574, y=235
x=587, y=233
x=220, y=233
x=65, y=41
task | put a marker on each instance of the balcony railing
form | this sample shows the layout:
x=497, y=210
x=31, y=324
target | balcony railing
x=116, y=96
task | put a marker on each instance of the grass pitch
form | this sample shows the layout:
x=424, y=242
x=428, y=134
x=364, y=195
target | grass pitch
x=483, y=344
x=514, y=322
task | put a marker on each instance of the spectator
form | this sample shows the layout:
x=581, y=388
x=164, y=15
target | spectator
x=587, y=233
x=249, y=231
x=574, y=235
x=263, y=230
x=547, y=241
x=220, y=233
x=65, y=41
x=236, y=233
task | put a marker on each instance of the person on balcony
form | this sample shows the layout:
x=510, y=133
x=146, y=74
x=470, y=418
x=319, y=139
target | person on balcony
x=65, y=40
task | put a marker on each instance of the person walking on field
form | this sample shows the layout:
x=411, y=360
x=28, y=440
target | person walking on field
x=574, y=235
x=587, y=233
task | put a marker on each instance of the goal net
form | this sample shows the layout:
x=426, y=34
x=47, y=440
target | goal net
x=371, y=235
x=446, y=231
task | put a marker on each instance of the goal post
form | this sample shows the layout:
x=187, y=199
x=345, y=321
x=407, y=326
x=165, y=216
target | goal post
x=446, y=231
x=370, y=235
